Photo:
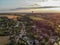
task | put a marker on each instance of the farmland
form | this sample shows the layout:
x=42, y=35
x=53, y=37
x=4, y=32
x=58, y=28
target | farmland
x=3, y=40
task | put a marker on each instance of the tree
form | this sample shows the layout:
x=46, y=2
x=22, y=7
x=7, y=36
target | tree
x=3, y=26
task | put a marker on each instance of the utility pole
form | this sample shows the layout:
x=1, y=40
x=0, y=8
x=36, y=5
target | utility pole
x=32, y=12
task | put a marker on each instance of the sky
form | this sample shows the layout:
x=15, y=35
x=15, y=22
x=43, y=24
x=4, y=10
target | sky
x=12, y=4
x=7, y=4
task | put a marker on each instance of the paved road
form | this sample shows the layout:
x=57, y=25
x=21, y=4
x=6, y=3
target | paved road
x=3, y=40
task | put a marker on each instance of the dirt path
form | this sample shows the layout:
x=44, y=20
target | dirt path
x=3, y=40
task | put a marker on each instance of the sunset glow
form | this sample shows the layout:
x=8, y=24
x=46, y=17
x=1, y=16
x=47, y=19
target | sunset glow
x=12, y=17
